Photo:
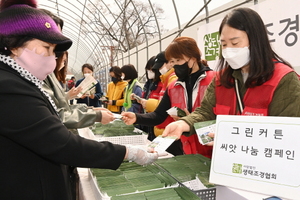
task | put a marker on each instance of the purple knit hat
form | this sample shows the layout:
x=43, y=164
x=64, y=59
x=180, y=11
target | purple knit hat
x=26, y=20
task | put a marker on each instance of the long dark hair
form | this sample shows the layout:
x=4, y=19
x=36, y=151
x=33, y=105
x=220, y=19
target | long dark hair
x=262, y=55
x=62, y=73
x=149, y=65
x=156, y=75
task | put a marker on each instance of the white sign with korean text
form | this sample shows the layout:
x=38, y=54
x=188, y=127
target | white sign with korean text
x=258, y=154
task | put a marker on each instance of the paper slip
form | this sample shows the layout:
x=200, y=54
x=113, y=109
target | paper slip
x=117, y=116
x=203, y=129
x=160, y=144
x=176, y=111
x=172, y=111
x=87, y=84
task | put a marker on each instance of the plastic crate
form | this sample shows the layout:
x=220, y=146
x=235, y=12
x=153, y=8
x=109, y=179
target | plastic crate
x=206, y=194
x=125, y=140
x=196, y=188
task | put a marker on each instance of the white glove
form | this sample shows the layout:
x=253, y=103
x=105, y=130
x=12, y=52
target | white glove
x=140, y=156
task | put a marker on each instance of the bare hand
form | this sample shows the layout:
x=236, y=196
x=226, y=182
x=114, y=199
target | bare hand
x=143, y=102
x=107, y=117
x=84, y=96
x=175, y=129
x=104, y=99
x=175, y=117
x=72, y=93
x=186, y=111
x=128, y=117
x=132, y=96
x=109, y=102
x=92, y=96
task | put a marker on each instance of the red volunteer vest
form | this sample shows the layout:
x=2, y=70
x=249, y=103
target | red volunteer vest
x=254, y=102
x=155, y=93
x=191, y=144
x=165, y=85
x=161, y=94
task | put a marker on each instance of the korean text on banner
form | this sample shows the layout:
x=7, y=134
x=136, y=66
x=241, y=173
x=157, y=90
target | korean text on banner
x=258, y=154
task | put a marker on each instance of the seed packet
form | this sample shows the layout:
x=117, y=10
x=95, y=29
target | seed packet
x=160, y=144
x=176, y=111
x=203, y=129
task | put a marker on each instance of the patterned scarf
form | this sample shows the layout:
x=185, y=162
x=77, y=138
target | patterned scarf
x=27, y=75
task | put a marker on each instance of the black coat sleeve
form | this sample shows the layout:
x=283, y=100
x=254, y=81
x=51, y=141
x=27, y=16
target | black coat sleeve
x=158, y=116
x=28, y=121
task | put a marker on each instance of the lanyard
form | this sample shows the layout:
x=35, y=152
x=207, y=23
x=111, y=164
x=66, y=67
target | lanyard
x=241, y=107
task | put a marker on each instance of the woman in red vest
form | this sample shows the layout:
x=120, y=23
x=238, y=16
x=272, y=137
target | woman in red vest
x=185, y=93
x=252, y=78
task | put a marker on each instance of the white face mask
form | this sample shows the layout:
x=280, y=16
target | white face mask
x=236, y=57
x=163, y=70
x=87, y=74
x=38, y=65
x=150, y=74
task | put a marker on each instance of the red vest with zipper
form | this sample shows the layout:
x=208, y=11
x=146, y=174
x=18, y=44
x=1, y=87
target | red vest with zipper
x=165, y=84
x=160, y=96
x=256, y=100
x=177, y=94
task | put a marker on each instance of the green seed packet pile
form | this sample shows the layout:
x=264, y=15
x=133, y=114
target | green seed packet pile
x=129, y=178
x=114, y=185
x=185, y=193
x=187, y=167
x=115, y=128
x=143, y=179
x=162, y=194
x=132, y=181
x=161, y=175
x=136, y=196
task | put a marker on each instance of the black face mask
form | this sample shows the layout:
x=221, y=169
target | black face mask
x=114, y=79
x=182, y=71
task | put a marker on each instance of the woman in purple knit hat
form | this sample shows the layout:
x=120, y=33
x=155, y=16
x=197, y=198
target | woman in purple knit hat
x=36, y=149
